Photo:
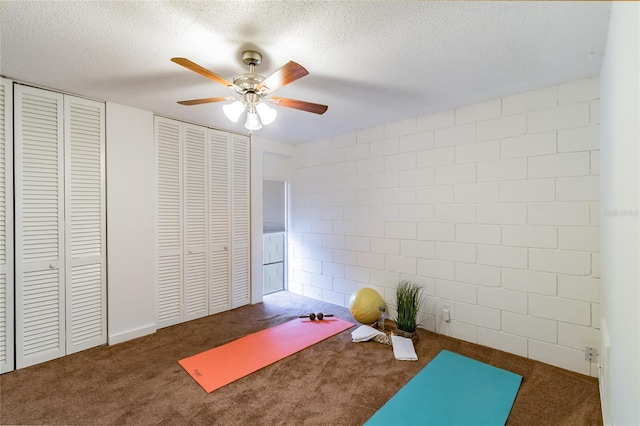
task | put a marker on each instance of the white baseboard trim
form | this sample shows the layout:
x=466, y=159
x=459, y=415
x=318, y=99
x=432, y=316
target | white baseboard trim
x=132, y=334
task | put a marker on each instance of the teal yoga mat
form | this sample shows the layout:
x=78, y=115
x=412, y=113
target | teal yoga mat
x=452, y=390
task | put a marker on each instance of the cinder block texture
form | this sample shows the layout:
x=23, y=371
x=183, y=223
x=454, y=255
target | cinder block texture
x=493, y=207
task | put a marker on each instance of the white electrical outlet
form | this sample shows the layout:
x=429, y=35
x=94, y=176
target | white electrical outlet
x=590, y=354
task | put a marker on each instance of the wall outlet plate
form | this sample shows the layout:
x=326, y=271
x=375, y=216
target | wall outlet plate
x=590, y=354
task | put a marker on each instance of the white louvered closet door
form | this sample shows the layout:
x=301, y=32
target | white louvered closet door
x=6, y=227
x=169, y=221
x=195, y=223
x=240, y=224
x=219, y=219
x=85, y=257
x=39, y=224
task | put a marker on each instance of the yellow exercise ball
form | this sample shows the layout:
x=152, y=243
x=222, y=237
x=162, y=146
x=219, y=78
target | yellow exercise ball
x=364, y=305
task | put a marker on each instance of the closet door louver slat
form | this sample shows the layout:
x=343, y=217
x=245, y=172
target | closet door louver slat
x=86, y=231
x=219, y=277
x=7, y=362
x=169, y=243
x=39, y=207
x=240, y=225
x=195, y=195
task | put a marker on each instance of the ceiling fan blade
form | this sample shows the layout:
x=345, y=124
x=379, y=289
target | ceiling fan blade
x=301, y=105
x=202, y=71
x=289, y=72
x=206, y=100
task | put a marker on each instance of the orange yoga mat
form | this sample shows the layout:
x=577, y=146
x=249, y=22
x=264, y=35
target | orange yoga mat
x=220, y=366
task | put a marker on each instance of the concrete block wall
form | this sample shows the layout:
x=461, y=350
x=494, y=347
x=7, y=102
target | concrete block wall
x=492, y=207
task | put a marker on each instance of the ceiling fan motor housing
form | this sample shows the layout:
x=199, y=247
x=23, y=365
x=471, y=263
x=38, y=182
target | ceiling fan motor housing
x=249, y=81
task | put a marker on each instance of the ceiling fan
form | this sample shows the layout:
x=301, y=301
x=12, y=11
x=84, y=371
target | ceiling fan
x=254, y=91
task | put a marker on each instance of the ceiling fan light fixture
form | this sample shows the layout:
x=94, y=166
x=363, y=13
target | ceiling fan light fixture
x=233, y=111
x=253, y=89
x=266, y=113
x=253, y=121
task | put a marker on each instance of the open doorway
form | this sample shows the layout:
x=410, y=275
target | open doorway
x=274, y=236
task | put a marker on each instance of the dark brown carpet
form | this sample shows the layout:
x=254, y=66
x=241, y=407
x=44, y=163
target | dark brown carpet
x=335, y=382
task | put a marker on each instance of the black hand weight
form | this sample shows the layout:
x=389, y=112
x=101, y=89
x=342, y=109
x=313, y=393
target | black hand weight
x=319, y=316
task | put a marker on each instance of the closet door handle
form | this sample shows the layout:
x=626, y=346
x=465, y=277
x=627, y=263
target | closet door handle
x=52, y=266
x=189, y=251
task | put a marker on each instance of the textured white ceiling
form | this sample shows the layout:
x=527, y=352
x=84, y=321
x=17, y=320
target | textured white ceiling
x=371, y=62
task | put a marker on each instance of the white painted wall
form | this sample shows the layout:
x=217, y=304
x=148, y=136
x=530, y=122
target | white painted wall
x=493, y=207
x=130, y=223
x=620, y=182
